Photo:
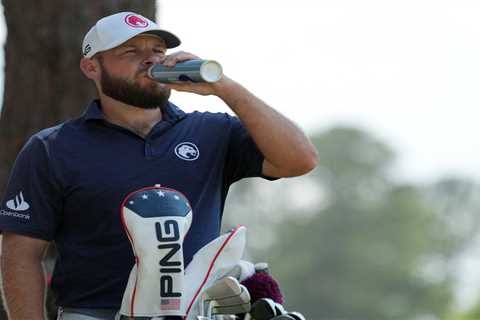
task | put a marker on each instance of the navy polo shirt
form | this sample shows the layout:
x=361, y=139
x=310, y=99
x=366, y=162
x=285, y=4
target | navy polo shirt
x=68, y=183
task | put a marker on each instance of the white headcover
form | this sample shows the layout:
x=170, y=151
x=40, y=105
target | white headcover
x=211, y=263
x=156, y=220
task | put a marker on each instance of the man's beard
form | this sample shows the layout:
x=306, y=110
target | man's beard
x=131, y=93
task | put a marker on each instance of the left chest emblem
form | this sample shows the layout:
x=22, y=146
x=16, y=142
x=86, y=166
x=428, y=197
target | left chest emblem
x=187, y=151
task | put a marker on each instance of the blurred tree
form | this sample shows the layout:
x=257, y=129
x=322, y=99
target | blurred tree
x=456, y=201
x=43, y=83
x=371, y=248
x=472, y=314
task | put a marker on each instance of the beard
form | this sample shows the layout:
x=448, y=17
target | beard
x=132, y=93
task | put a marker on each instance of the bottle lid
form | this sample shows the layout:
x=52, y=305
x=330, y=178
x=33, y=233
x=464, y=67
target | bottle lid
x=211, y=71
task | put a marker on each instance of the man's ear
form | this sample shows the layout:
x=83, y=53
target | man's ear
x=90, y=68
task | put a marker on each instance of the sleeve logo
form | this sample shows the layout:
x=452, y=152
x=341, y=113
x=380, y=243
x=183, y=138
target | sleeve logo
x=18, y=203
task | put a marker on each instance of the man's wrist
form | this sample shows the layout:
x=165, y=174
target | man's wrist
x=224, y=88
x=230, y=92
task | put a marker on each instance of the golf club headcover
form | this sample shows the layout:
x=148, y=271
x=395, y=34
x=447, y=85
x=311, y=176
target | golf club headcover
x=243, y=270
x=263, y=285
x=156, y=220
x=211, y=263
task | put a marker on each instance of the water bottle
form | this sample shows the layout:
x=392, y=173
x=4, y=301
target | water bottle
x=190, y=70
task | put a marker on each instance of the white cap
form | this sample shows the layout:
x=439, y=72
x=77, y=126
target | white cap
x=111, y=31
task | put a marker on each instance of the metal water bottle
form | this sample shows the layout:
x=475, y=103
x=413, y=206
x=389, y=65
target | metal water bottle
x=191, y=70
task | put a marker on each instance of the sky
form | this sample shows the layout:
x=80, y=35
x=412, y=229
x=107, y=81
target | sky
x=406, y=71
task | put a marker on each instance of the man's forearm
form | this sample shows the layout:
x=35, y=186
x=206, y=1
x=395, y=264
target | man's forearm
x=23, y=285
x=287, y=151
x=282, y=143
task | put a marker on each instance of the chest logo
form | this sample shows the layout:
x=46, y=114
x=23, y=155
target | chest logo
x=187, y=151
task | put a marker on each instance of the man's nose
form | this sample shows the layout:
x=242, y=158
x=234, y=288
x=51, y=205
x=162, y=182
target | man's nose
x=153, y=58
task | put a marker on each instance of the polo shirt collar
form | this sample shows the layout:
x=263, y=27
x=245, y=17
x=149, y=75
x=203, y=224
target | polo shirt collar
x=170, y=112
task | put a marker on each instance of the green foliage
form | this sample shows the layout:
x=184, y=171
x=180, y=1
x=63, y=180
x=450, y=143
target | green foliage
x=362, y=263
x=473, y=314
x=374, y=248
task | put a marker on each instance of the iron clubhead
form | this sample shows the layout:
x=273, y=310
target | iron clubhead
x=235, y=309
x=224, y=288
x=242, y=298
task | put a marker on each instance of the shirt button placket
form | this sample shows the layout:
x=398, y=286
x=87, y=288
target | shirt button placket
x=148, y=149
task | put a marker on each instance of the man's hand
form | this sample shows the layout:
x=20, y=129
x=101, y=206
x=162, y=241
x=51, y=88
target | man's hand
x=201, y=88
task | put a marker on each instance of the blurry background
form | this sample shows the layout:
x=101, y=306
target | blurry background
x=386, y=227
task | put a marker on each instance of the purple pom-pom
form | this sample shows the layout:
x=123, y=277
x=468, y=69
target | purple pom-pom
x=262, y=285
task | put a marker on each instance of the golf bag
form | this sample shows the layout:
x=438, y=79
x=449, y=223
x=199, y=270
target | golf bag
x=214, y=283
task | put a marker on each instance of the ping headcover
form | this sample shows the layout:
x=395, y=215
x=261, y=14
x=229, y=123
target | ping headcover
x=156, y=220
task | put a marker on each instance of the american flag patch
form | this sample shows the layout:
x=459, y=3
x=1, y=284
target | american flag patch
x=170, y=304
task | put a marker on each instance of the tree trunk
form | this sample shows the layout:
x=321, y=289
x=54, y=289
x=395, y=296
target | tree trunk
x=43, y=82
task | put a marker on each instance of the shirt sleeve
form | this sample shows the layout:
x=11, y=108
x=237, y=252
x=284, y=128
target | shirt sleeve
x=32, y=200
x=243, y=159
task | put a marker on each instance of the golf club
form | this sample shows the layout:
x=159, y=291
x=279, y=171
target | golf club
x=296, y=315
x=227, y=289
x=263, y=309
x=230, y=305
x=235, y=309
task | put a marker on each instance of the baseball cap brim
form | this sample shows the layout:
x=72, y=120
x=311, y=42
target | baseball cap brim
x=170, y=39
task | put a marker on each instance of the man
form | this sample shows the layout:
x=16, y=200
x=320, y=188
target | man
x=68, y=181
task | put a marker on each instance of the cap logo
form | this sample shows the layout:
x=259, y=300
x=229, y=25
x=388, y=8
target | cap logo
x=87, y=49
x=136, y=21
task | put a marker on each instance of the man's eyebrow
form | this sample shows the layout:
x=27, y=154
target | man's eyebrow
x=127, y=46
